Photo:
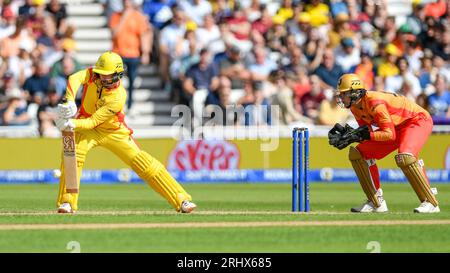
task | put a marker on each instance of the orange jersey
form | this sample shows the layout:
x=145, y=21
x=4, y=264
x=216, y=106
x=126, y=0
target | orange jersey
x=100, y=108
x=386, y=111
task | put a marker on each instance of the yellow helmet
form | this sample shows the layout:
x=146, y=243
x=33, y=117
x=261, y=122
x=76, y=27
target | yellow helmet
x=349, y=82
x=108, y=63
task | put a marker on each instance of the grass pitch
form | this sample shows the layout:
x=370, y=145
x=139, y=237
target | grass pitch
x=230, y=218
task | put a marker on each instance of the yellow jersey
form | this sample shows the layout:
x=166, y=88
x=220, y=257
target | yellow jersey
x=101, y=109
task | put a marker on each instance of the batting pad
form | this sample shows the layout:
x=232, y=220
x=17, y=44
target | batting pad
x=362, y=171
x=413, y=171
x=156, y=175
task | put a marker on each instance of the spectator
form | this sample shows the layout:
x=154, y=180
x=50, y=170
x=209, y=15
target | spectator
x=132, y=39
x=200, y=76
x=297, y=60
x=388, y=66
x=319, y=13
x=158, y=11
x=7, y=84
x=441, y=67
x=220, y=98
x=222, y=9
x=328, y=71
x=365, y=71
x=27, y=9
x=439, y=102
x=394, y=83
x=368, y=43
x=38, y=82
x=330, y=112
x=209, y=36
x=262, y=66
x=257, y=112
x=253, y=10
x=196, y=10
x=443, y=49
x=276, y=35
x=286, y=10
x=347, y=55
x=388, y=30
x=21, y=66
x=59, y=13
x=170, y=36
x=35, y=22
x=264, y=22
x=341, y=29
x=233, y=68
x=9, y=47
x=436, y=9
x=111, y=6
x=416, y=19
x=47, y=115
x=61, y=71
x=15, y=112
x=427, y=74
x=8, y=22
x=283, y=98
x=300, y=28
x=413, y=53
x=311, y=101
x=240, y=28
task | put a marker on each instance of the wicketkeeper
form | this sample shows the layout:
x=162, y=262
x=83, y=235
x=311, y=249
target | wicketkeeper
x=100, y=122
x=401, y=125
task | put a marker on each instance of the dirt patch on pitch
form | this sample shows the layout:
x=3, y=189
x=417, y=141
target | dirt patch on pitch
x=220, y=224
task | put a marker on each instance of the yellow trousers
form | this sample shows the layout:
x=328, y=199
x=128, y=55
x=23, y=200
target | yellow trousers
x=124, y=146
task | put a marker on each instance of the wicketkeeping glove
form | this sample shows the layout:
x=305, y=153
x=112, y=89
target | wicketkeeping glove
x=337, y=132
x=67, y=110
x=355, y=135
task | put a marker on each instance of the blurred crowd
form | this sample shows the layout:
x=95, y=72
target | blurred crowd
x=36, y=56
x=249, y=53
x=292, y=54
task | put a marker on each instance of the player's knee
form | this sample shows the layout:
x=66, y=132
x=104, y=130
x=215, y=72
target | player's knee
x=143, y=163
x=354, y=154
x=405, y=159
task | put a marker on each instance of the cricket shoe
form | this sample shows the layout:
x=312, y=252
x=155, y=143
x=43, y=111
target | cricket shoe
x=187, y=206
x=368, y=206
x=427, y=207
x=65, y=208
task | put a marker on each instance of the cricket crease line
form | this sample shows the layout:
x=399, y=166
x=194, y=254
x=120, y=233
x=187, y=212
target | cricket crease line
x=219, y=224
x=171, y=212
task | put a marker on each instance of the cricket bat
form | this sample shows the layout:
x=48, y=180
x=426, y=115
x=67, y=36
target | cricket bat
x=70, y=161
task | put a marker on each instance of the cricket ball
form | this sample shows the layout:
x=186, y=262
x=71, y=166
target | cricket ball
x=56, y=173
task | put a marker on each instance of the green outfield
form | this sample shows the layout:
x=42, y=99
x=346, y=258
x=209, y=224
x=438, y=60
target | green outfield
x=230, y=218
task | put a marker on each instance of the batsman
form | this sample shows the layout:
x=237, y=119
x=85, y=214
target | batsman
x=100, y=122
x=400, y=125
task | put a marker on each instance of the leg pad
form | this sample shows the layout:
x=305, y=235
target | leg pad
x=362, y=171
x=156, y=175
x=413, y=171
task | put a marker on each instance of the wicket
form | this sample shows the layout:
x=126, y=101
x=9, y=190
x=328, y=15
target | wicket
x=300, y=174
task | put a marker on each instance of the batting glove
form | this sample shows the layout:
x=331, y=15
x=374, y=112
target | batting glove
x=64, y=124
x=67, y=110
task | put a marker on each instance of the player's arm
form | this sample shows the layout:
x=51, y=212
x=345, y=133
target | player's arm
x=386, y=131
x=102, y=114
x=68, y=109
x=74, y=82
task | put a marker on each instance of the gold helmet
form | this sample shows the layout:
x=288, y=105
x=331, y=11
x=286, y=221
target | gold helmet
x=349, y=82
x=108, y=63
x=350, y=86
